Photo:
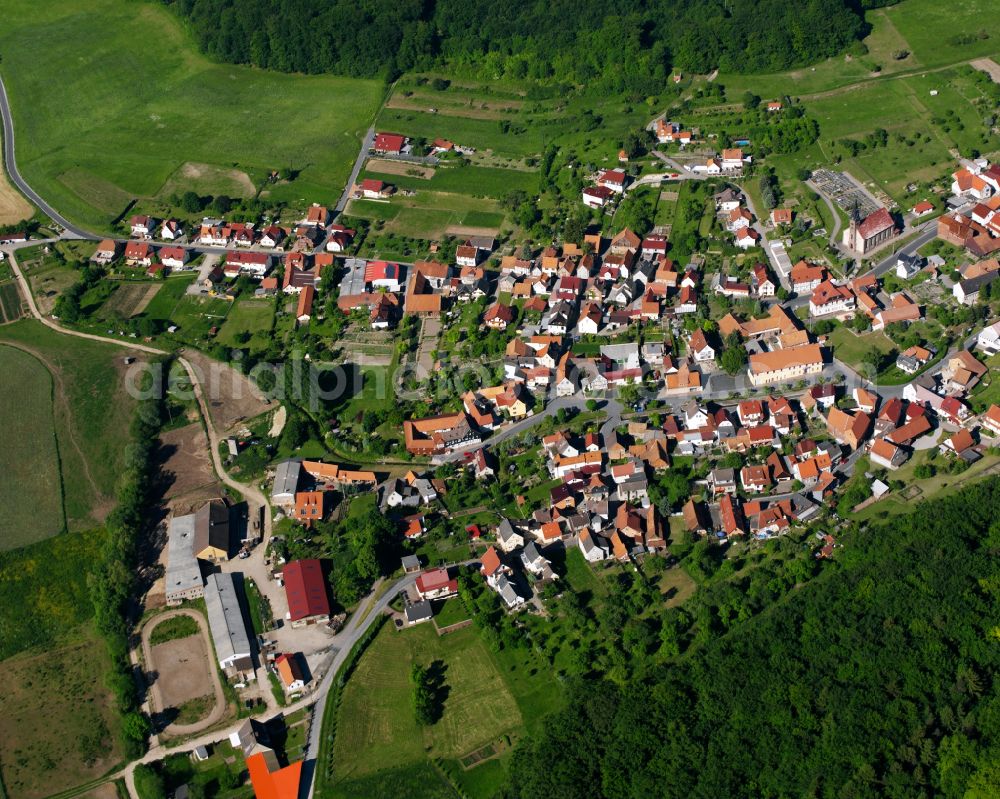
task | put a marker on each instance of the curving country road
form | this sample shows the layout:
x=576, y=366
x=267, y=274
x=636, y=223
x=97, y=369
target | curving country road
x=366, y=614
x=15, y=177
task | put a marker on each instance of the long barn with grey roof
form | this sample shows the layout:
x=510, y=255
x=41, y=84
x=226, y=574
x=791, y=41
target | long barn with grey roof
x=225, y=620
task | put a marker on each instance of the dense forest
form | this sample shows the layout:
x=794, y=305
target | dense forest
x=622, y=45
x=878, y=678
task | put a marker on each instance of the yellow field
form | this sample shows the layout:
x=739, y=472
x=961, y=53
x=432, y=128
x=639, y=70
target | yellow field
x=13, y=207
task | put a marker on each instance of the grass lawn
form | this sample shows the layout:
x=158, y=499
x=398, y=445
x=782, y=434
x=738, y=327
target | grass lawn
x=379, y=741
x=58, y=727
x=225, y=763
x=173, y=628
x=31, y=492
x=92, y=415
x=939, y=485
x=166, y=299
x=253, y=317
x=851, y=348
x=154, y=106
x=452, y=611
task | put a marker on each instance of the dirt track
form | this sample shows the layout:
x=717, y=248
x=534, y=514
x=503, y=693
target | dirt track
x=184, y=671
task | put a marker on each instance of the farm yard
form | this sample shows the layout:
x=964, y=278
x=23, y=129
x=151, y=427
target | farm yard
x=49, y=744
x=184, y=687
x=160, y=114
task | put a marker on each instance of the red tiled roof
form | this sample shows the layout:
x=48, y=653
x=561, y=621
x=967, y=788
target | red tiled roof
x=305, y=589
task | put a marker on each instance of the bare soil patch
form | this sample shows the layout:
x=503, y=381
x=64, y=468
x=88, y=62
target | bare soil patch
x=105, y=791
x=231, y=397
x=989, y=66
x=182, y=672
x=187, y=467
x=387, y=167
x=210, y=179
x=464, y=230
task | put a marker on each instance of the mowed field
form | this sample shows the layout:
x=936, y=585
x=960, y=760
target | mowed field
x=932, y=126
x=31, y=491
x=112, y=101
x=379, y=742
x=57, y=725
x=90, y=410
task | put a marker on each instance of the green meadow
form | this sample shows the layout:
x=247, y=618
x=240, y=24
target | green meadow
x=82, y=401
x=112, y=102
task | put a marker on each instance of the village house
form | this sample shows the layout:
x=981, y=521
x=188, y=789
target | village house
x=436, y=584
x=106, y=252
x=372, y=189
x=138, y=253
x=847, y=428
x=806, y=277
x=389, y=144
x=254, y=264
x=793, y=363
x=699, y=348
x=142, y=226
x=173, y=257
x=886, y=454
x=437, y=435
x=597, y=196
x=828, y=298
x=613, y=179
x=781, y=216
x=746, y=238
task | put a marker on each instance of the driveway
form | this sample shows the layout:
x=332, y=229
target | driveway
x=211, y=259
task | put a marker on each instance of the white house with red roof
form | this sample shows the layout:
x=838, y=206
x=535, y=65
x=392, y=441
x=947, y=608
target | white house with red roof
x=383, y=275
x=372, y=189
x=966, y=183
x=829, y=298
x=173, y=257
x=138, y=253
x=141, y=225
x=389, y=144
x=597, y=196
x=746, y=238
x=436, y=584
x=339, y=238
x=613, y=179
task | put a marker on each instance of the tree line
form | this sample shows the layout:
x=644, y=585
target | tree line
x=877, y=678
x=622, y=46
x=112, y=582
